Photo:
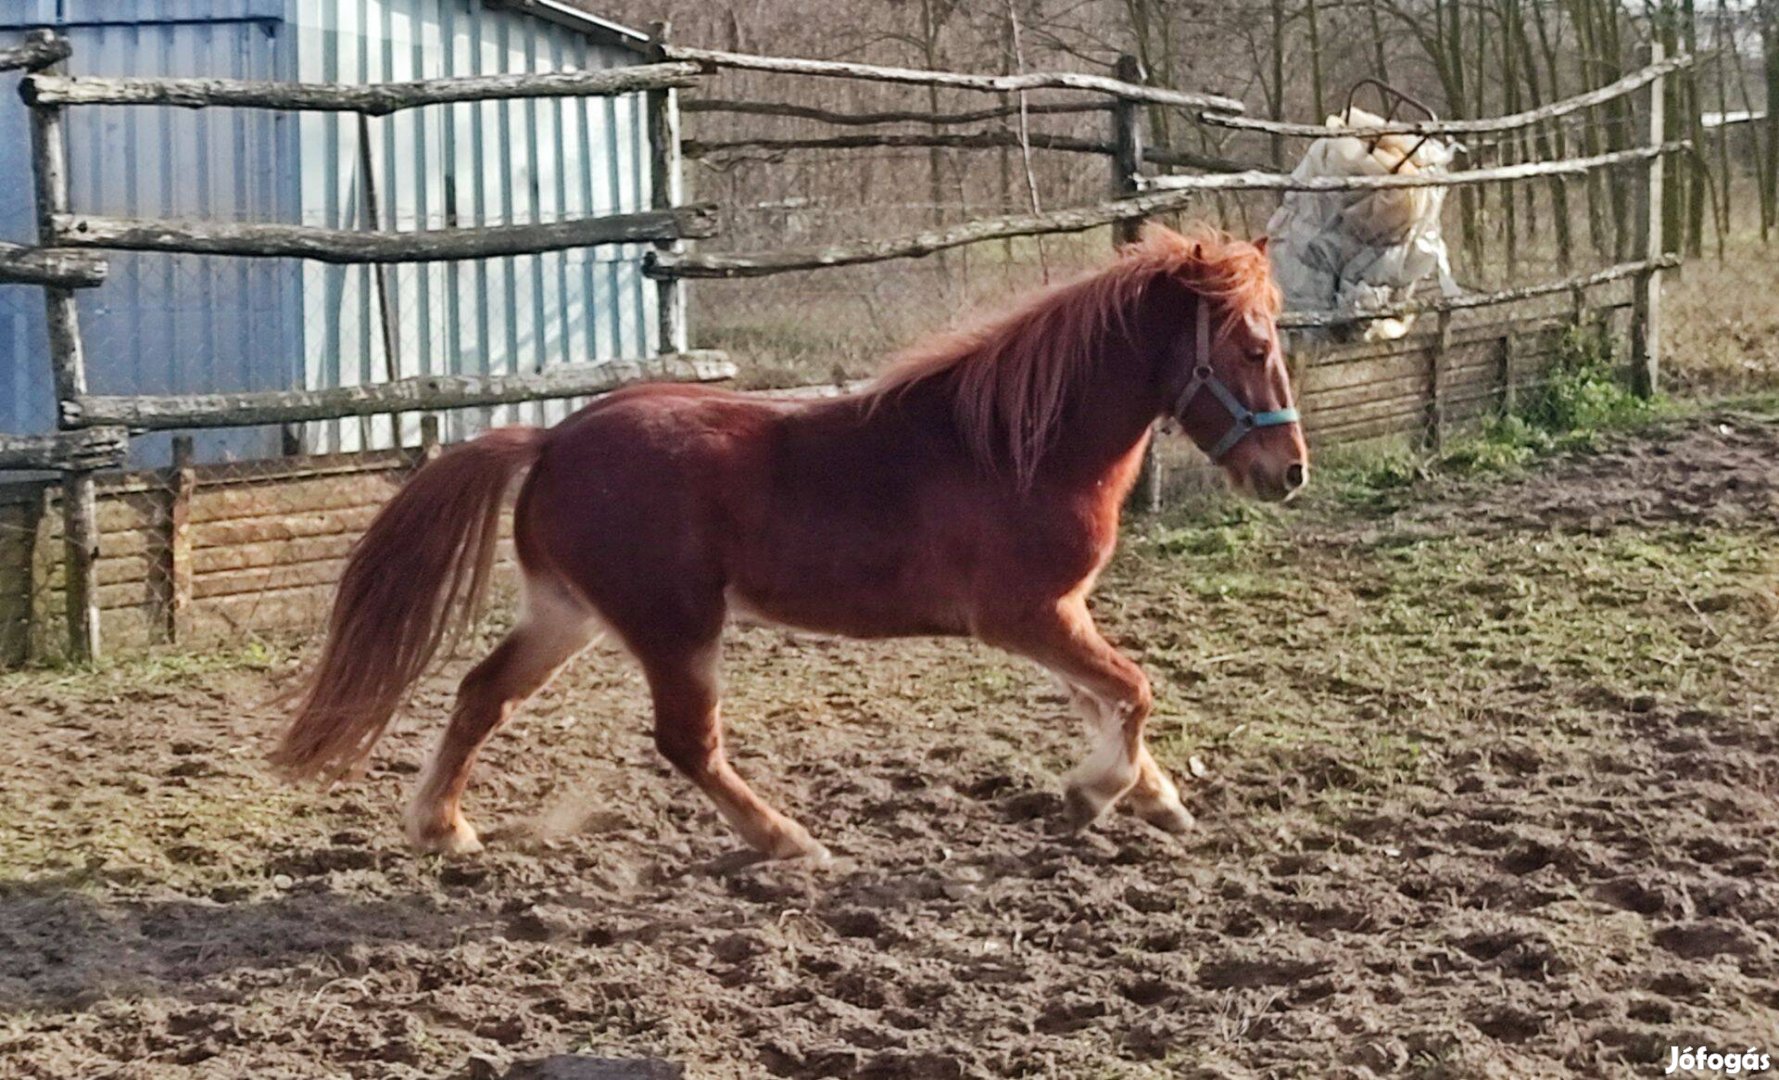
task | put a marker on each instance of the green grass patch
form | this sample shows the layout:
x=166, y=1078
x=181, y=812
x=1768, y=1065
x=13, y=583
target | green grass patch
x=1344, y=655
x=1585, y=394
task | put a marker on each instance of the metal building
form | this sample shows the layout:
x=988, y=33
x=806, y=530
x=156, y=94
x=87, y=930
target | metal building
x=169, y=324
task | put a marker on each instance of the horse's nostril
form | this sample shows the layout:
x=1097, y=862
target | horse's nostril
x=1294, y=475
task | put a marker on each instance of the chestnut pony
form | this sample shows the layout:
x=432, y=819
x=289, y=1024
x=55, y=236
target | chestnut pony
x=973, y=489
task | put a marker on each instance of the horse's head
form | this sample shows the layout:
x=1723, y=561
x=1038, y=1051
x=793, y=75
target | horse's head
x=1222, y=371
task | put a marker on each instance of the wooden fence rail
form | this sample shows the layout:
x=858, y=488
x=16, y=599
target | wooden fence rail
x=350, y=246
x=1164, y=194
x=36, y=52
x=94, y=448
x=998, y=84
x=972, y=140
x=1510, y=122
x=1301, y=320
x=1267, y=181
x=422, y=393
x=375, y=99
x=20, y=265
x=842, y=119
x=1076, y=219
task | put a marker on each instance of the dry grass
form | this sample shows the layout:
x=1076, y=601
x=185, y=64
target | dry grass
x=1721, y=331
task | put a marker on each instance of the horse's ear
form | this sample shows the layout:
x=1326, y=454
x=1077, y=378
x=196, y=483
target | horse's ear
x=1260, y=245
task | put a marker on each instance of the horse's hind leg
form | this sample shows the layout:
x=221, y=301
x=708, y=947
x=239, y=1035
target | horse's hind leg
x=689, y=733
x=553, y=628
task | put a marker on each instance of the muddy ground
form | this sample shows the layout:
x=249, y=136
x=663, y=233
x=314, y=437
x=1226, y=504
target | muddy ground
x=1489, y=787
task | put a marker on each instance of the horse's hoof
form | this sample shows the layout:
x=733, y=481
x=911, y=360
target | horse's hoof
x=1169, y=818
x=1079, y=810
x=798, y=845
x=457, y=838
x=816, y=855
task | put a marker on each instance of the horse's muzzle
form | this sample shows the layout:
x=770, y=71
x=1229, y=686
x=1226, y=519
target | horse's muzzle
x=1281, y=485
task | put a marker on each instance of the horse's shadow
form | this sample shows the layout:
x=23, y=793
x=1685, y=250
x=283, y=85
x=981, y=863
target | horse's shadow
x=62, y=947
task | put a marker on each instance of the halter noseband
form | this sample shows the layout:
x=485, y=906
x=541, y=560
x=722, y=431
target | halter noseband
x=1203, y=378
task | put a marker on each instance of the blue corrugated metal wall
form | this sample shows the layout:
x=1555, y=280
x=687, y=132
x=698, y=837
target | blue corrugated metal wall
x=27, y=401
x=167, y=324
x=188, y=323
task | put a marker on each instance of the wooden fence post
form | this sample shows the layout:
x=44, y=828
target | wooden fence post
x=1442, y=344
x=1127, y=148
x=1127, y=166
x=1646, y=297
x=38, y=645
x=1509, y=395
x=431, y=445
x=182, y=480
x=49, y=159
x=666, y=186
x=371, y=218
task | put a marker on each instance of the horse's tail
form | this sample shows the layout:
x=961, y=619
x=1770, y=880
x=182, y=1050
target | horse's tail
x=415, y=579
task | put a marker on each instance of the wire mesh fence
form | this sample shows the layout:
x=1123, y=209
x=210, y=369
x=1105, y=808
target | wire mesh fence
x=193, y=555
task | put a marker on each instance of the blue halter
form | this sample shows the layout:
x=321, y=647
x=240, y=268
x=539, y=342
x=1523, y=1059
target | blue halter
x=1203, y=378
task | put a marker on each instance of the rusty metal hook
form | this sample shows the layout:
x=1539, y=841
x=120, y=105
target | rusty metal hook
x=1390, y=99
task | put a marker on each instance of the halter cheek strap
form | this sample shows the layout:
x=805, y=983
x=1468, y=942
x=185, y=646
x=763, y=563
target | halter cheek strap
x=1244, y=419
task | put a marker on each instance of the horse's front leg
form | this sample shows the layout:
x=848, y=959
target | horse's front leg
x=1153, y=797
x=1114, y=697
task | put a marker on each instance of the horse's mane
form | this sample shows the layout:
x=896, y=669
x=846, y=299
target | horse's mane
x=1011, y=378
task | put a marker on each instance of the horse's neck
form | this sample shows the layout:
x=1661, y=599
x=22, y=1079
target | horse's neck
x=1110, y=415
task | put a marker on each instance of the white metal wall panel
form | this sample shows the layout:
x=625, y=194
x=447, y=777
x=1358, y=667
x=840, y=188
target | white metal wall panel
x=476, y=164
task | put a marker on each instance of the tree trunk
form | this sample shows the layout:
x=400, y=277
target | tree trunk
x=1699, y=187
x=1315, y=35
x=1545, y=146
x=929, y=37
x=1277, y=96
x=1769, y=173
x=1756, y=131
x=1726, y=54
x=1380, y=55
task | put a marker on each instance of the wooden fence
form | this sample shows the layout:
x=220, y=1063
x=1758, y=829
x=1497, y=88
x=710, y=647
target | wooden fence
x=192, y=554
x=99, y=532
x=206, y=529
x=1133, y=196
x=216, y=554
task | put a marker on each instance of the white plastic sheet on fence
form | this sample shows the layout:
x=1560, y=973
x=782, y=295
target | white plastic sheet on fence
x=1362, y=250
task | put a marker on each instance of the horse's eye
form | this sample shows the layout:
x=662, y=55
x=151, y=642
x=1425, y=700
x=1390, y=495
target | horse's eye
x=1259, y=353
